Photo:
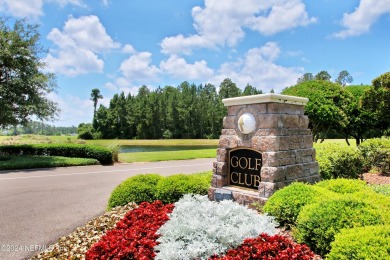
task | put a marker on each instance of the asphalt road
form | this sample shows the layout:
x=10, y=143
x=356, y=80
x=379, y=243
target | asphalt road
x=39, y=206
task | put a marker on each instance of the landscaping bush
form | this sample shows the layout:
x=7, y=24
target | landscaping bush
x=268, y=247
x=135, y=189
x=371, y=242
x=285, y=204
x=338, y=160
x=172, y=188
x=103, y=155
x=199, y=228
x=381, y=189
x=376, y=154
x=344, y=186
x=318, y=223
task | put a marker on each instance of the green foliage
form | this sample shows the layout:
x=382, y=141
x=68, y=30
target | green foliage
x=338, y=160
x=135, y=189
x=103, y=155
x=376, y=154
x=318, y=223
x=24, y=84
x=381, y=189
x=150, y=187
x=325, y=106
x=344, y=186
x=323, y=75
x=285, y=204
x=370, y=242
x=85, y=131
x=344, y=78
x=30, y=162
x=172, y=188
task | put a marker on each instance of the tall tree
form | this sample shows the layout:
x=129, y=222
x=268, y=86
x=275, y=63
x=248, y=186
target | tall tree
x=250, y=90
x=95, y=96
x=305, y=77
x=228, y=89
x=325, y=107
x=344, y=78
x=24, y=84
x=323, y=75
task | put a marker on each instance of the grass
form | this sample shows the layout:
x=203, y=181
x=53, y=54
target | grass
x=29, y=162
x=167, y=155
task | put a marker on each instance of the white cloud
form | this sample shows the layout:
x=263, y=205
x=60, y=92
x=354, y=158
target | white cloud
x=364, y=16
x=32, y=8
x=222, y=23
x=258, y=67
x=74, y=110
x=78, y=46
x=179, y=68
x=138, y=68
x=128, y=48
x=22, y=8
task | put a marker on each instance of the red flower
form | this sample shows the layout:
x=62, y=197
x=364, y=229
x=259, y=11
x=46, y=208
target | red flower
x=134, y=236
x=267, y=247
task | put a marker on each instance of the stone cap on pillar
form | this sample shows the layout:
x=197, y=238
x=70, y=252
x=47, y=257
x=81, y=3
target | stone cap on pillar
x=265, y=98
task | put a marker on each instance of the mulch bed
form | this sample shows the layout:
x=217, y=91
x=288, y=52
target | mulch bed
x=377, y=178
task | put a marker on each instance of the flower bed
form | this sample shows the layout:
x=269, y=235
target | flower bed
x=144, y=231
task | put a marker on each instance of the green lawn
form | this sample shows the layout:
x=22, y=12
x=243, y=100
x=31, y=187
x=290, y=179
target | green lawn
x=167, y=155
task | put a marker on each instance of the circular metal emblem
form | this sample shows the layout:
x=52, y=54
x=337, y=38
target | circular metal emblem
x=247, y=123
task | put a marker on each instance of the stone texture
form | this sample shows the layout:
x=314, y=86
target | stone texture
x=283, y=138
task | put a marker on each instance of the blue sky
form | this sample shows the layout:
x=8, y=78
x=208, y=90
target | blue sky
x=120, y=45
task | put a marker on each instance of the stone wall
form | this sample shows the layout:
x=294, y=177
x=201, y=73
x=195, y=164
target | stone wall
x=283, y=138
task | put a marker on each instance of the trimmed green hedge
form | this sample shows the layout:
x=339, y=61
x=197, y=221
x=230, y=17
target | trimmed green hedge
x=150, y=187
x=103, y=155
x=173, y=188
x=318, y=223
x=344, y=186
x=337, y=160
x=135, y=189
x=370, y=242
x=285, y=204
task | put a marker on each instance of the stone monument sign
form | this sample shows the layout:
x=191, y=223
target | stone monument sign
x=265, y=145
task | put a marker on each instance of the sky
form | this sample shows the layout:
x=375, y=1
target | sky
x=120, y=45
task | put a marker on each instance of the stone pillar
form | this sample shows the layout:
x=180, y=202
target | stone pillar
x=279, y=132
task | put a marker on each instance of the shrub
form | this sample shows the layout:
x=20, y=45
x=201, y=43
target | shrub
x=103, y=155
x=136, y=189
x=338, y=160
x=134, y=236
x=318, y=223
x=172, y=188
x=376, y=154
x=371, y=242
x=199, y=228
x=381, y=189
x=285, y=204
x=268, y=247
x=344, y=186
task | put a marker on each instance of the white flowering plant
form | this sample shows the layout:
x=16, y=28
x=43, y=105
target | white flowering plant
x=199, y=228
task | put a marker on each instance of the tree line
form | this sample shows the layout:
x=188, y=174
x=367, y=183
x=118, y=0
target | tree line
x=185, y=111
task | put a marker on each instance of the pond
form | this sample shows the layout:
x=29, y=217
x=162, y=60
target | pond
x=157, y=148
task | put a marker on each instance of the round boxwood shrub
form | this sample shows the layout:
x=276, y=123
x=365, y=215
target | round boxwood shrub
x=344, y=186
x=136, y=189
x=337, y=160
x=318, y=223
x=370, y=242
x=285, y=204
x=172, y=188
